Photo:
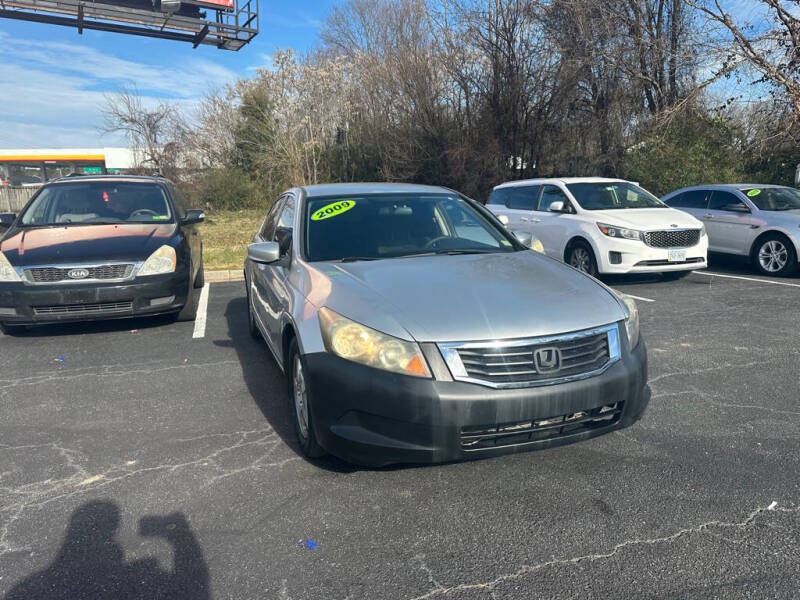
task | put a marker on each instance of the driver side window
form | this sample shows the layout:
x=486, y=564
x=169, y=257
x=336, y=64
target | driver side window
x=551, y=194
x=268, y=228
x=724, y=201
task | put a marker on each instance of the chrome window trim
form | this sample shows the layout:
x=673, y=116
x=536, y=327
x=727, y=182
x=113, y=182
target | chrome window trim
x=23, y=272
x=449, y=352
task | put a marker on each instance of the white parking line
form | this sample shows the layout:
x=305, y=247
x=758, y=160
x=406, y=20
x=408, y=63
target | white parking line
x=202, y=312
x=635, y=297
x=747, y=278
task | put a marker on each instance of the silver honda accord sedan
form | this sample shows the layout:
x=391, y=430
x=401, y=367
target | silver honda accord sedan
x=412, y=327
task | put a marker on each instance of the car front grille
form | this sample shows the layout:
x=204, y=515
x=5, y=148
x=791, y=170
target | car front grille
x=536, y=361
x=97, y=273
x=672, y=238
x=484, y=437
x=70, y=309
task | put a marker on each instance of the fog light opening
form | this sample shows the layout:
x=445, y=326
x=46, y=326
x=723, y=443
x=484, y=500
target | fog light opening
x=615, y=258
x=162, y=301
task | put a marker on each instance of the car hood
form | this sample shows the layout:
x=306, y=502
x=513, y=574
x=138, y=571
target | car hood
x=84, y=243
x=466, y=297
x=646, y=219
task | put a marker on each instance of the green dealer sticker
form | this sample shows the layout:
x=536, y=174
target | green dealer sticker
x=332, y=210
x=752, y=193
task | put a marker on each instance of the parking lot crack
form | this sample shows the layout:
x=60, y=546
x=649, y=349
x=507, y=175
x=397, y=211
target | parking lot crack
x=703, y=528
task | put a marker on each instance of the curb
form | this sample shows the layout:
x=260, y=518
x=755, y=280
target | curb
x=222, y=276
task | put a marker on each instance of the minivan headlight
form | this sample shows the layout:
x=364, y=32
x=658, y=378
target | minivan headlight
x=159, y=262
x=7, y=272
x=620, y=232
x=353, y=341
x=632, y=322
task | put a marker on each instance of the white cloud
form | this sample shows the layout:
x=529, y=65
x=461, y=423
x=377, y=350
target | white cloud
x=53, y=92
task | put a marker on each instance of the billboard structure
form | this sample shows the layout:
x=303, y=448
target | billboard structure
x=226, y=24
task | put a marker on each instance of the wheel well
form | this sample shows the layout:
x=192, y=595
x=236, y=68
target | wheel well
x=572, y=242
x=286, y=339
x=770, y=233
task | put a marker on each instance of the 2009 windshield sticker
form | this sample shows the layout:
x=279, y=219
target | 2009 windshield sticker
x=752, y=193
x=333, y=210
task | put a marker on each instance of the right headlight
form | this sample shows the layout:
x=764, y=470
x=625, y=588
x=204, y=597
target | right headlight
x=7, y=272
x=356, y=342
x=632, y=322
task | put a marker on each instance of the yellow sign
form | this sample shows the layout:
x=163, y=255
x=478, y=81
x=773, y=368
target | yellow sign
x=332, y=210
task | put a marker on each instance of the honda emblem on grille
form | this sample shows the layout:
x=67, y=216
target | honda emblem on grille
x=547, y=360
x=78, y=273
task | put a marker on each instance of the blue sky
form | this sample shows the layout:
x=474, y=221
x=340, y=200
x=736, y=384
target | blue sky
x=53, y=81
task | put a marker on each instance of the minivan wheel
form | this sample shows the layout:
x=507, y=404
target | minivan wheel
x=775, y=256
x=582, y=258
x=300, y=398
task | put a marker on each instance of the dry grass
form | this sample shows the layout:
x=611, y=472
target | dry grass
x=226, y=235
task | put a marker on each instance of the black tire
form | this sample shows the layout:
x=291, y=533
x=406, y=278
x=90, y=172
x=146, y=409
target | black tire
x=255, y=332
x=774, y=256
x=200, y=279
x=189, y=310
x=675, y=275
x=581, y=256
x=306, y=437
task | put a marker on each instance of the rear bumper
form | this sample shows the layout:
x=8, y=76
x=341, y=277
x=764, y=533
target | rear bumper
x=637, y=257
x=22, y=304
x=372, y=417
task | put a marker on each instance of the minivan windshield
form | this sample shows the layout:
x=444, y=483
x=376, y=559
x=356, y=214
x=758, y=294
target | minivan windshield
x=98, y=202
x=774, y=198
x=611, y=195
x=370, y=227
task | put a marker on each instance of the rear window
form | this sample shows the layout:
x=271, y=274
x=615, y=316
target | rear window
x=690, y=199
x=518, y=197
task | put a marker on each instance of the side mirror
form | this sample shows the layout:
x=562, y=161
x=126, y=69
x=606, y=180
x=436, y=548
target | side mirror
x=194, y=215
x=736, y=208
x=7, y=219
x=523, y=237
x=557, y=206
x=264, y=252
x=283, y=235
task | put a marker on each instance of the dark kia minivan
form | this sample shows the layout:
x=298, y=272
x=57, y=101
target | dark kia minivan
x=100, y=247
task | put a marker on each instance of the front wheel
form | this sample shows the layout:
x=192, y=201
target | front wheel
x=300, y=400
x=252, y=327
x=582, y=258
x=775, y=256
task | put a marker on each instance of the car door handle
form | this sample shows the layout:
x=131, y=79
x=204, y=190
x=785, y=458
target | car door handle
x=524, y=219
x=708, y=216
x=536, y=220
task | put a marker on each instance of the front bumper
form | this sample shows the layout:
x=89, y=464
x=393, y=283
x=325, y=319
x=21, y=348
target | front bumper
x=25, y=304
x=637, y=257
x=375, y=418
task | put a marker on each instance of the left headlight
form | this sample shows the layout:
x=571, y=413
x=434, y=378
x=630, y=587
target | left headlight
x=620, y=232
x=159, y=262
x=536, y=245
x=632, y=322
x=7, y=272
x=356, y=342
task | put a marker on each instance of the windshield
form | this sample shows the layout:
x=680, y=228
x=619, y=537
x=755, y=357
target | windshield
x=611, y=195
x=775, y=198
x=98, y=202
x=393, y=225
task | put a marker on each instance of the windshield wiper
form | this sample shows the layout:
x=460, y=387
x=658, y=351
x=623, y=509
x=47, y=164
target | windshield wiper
x=466, y=251
x=356, y=258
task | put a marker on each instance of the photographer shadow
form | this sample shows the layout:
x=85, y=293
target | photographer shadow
x=91, y=562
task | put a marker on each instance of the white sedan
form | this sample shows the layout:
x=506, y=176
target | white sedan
x=600, y=225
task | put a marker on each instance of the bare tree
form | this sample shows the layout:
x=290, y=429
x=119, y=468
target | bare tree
x=771, y=47
x=152, y=131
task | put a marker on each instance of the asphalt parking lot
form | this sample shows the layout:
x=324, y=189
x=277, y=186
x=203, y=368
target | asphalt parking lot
x=139, y=461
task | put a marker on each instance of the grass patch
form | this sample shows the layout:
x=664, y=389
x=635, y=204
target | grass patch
x=226, y=235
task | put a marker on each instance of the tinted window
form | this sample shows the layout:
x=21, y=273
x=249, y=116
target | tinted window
x=612, y=195
x=393, y=225
x=98, y=202
x=552, y=194
x=690, y=199
x=286, y=220
x=179, y=201
x=516, y=197
x=498, y=196
x=777, y=198
x=721, y=200
x=268, y=228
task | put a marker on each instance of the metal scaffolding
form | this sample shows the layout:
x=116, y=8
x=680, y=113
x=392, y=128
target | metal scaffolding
x=227, y=29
